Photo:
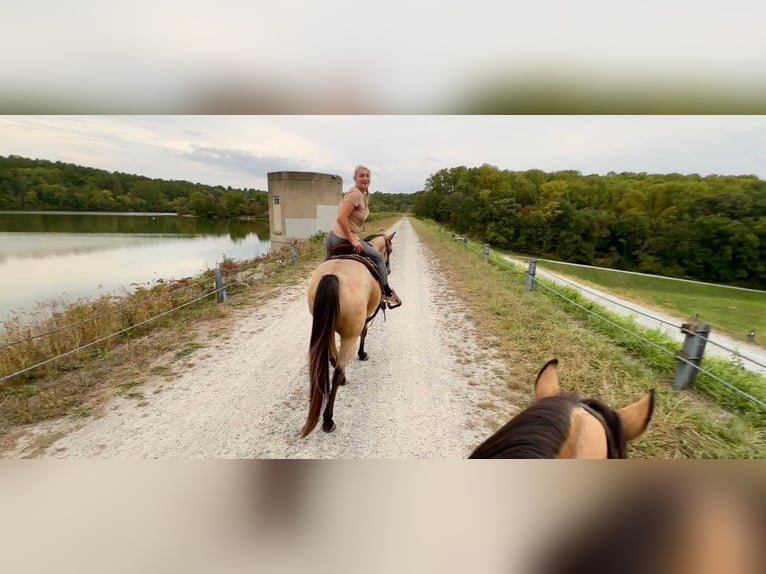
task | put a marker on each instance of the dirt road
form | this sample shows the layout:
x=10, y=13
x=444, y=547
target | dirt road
x=418, y=395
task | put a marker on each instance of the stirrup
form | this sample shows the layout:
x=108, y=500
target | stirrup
x=392, y=300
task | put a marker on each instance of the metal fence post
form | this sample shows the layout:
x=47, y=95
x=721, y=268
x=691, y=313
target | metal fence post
x=486, y=252
x=693, y=349
x=220, y=293
x=531, y=274
x=465, y=241
x=293, y=255
x=751, y=335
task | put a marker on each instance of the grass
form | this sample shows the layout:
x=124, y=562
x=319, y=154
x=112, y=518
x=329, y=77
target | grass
x=731, y=311
x=188, y=350
x=596, y=360
x=119, y=364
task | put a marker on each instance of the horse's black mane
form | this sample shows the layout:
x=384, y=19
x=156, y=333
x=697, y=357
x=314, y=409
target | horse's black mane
x=540, y=430
x=536, y=432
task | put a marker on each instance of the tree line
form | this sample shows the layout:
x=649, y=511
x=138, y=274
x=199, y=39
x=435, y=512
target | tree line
x=42, y=185
x=710, y=228
x=391, y=202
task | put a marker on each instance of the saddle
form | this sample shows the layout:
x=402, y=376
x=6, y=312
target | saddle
x=346, y=251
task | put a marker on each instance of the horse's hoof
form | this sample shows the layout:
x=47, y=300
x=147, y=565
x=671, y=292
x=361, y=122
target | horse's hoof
x=330, y=428
x=363, y=356
x=342, y=382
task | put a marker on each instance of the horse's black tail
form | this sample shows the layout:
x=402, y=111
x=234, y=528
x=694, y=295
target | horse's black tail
x=325, y=313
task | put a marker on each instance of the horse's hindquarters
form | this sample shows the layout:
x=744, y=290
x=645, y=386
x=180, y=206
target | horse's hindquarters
x=359, y=292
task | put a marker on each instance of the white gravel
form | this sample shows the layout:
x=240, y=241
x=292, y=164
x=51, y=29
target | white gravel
x=417, y=396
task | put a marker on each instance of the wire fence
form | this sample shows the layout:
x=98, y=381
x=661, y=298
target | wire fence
x=228, y=270
x=102, y=339
x=612, y=301
x=505, y=263
x=728, y=349
x=650, y=275
x=734, y=352
x=102, y=315
x=700, y=369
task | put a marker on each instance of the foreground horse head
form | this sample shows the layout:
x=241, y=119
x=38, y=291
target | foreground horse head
x=565, y=426
x=343, y=296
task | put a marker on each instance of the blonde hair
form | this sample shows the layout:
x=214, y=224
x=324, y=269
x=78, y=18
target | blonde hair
x=360, y=167
x=366, y=194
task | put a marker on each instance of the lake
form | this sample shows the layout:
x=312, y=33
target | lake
x=59, y=256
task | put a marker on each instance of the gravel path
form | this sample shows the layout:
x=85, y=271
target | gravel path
x=418, y=395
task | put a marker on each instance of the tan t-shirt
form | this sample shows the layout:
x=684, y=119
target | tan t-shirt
x=359, y=214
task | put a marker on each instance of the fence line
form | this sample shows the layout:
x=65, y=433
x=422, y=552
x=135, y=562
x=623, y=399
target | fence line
x=651, y=275
x=658, y=319
x=706, y=339
x=283, y=261
x=675, y=355
x=145, y=301
x=101, y=339
x=732, y=351
x=507, y=264
x=86, y=345
x=584, y=308
x=719, y=379
x=118, y=310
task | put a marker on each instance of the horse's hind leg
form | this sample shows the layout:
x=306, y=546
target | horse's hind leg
x=345, y=356
x=338, y=378
x=362, y=355
x=328, y=425
x=333, y=351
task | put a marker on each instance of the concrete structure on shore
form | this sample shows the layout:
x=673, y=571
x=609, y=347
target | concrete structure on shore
x=301, y=203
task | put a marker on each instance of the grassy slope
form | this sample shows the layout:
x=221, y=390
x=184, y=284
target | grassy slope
x=534, y=326
x=732, y=311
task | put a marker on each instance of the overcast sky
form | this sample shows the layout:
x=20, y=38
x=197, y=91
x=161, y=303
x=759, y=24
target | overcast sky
x=402, y=151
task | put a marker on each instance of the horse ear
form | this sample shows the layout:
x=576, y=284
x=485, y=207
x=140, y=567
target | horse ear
x=635, y=418
x=547, y=383
x=390, y=237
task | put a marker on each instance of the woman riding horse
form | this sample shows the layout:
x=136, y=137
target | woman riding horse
x=352, y=214
x=344, y=294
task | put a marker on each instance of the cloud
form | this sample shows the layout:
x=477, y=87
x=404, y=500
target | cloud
x=242, y=160
x=402, y=151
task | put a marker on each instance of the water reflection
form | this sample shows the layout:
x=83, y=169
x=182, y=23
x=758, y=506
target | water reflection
x=49, y=257
x=153, y=224
x=42, y=245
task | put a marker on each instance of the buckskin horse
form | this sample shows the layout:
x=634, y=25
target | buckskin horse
x=563, y=425
x=344, y=295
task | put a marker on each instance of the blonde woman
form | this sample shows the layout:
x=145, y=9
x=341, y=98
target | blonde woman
x=352, y=214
